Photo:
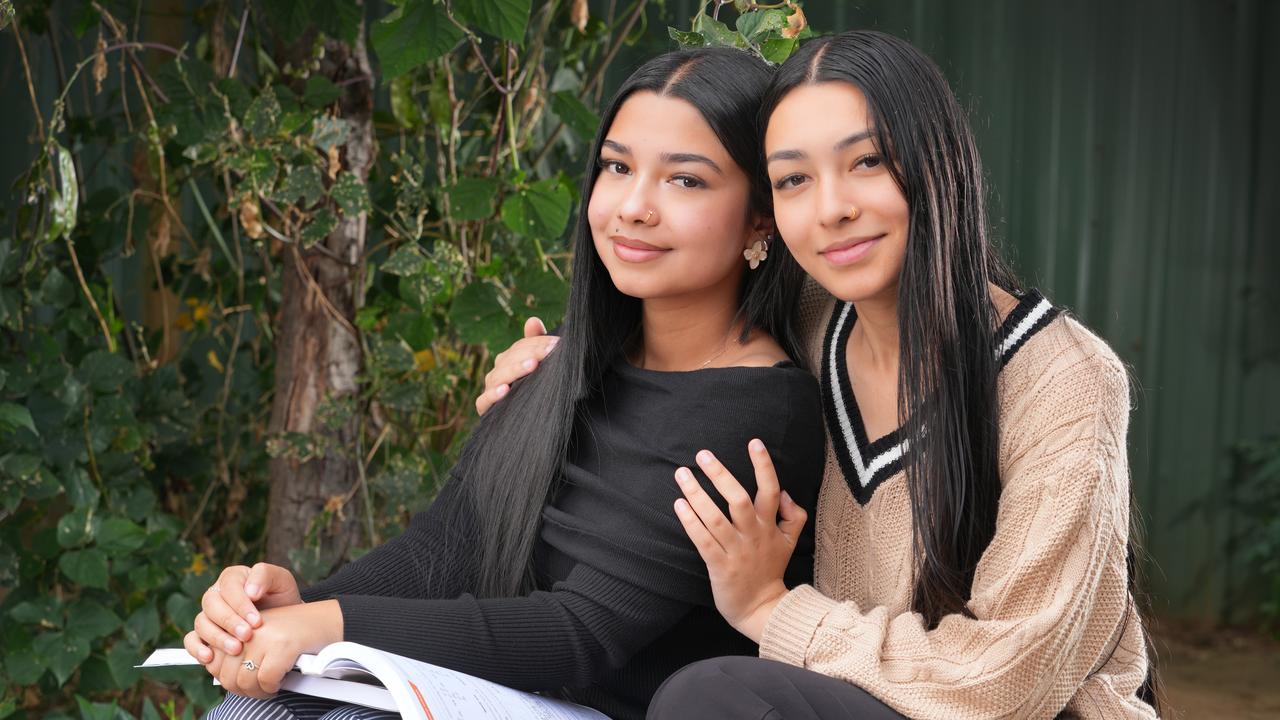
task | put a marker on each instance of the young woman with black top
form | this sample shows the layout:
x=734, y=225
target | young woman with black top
x=551, y=560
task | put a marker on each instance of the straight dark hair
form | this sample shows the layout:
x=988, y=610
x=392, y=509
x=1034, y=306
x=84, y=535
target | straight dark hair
x=947, y=324
x=513, y=464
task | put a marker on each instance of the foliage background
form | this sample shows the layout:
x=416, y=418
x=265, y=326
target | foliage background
x=204, y=223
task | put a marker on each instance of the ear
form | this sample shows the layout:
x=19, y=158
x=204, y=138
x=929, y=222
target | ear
x=762, y=226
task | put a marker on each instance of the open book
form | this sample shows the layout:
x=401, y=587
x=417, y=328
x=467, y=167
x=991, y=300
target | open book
x=361, y=675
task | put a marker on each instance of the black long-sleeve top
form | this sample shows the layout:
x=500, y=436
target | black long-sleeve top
x=622, y=598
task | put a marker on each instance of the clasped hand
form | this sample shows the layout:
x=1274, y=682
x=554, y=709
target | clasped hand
x=253, y=626
x=747, y=553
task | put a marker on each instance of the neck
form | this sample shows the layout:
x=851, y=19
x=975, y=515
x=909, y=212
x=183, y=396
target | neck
x=875, y=336
x=683, y=333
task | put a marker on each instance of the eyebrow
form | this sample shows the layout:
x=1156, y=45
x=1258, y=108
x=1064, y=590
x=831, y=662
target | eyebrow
x=853, y=139
x=667, y=157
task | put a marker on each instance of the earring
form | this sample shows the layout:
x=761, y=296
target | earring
x=758, y=252
x=855, y=212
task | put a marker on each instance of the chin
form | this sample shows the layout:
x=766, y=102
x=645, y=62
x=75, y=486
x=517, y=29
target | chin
x=854, y=284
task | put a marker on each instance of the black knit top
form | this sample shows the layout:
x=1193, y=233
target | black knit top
x=622, y=597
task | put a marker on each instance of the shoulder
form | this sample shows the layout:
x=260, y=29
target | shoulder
x=1064, y=373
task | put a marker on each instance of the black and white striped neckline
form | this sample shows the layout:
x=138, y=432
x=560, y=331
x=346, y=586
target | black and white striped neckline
x=866, y=464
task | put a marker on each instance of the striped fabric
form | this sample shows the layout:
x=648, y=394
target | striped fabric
x=292, y=706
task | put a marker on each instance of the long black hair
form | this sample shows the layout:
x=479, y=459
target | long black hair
x=947, y=324
x=512, y=464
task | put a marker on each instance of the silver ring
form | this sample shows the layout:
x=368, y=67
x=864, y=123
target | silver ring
x=249, y=665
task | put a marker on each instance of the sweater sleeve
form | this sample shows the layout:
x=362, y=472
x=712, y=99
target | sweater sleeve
x=1050, y=595
x=432, y=558
x=564, y=637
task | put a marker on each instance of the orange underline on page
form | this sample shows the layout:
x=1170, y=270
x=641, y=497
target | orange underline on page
x=422, y=700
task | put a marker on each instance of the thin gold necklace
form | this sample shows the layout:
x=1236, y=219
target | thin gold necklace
x=724, y=347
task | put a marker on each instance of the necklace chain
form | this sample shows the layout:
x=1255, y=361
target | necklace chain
x=724, y=347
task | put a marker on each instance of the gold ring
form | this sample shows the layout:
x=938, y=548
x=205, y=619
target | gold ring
x=646, y=217
x=855, y=212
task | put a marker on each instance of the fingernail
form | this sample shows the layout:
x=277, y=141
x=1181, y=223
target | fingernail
x=251, y=588
x=253, y=618
x=206, y=655
x=242, y=630
x=756, y=446
x=501, y=390
x=528, y=364
x=229, y=645
x=551, y=345
x=704, y=457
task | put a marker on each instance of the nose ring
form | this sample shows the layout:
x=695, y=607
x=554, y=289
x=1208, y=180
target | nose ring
x=647, y=216
x=855, y=212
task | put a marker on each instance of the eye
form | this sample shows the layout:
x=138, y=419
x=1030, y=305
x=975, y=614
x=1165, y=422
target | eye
x=789, y=181
x=869, y=162
x=688, y=181
x=614, y=166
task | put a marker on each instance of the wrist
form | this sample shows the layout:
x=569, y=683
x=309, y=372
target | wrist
x=755, y=621
x=325, y=616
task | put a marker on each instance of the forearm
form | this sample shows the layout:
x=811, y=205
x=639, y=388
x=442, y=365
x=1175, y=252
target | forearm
x=542, y=641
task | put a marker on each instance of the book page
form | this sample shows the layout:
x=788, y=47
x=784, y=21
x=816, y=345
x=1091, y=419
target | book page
x=434, y=693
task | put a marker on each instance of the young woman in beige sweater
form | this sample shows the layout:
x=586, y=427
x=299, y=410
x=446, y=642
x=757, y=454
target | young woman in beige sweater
x=973, y=524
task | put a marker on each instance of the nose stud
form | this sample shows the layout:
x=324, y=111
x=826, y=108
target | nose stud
x=855, y=212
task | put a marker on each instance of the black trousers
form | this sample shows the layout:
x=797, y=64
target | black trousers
x=749, y=688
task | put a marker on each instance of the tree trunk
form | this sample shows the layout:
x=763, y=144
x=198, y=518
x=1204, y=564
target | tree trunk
x=318, y=356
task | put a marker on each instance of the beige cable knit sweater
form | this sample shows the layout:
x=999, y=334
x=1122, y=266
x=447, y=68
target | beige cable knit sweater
x=1055, y=626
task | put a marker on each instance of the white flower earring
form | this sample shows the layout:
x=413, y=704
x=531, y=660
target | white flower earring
x=758, y=252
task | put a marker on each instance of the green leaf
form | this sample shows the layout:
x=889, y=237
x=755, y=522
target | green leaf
x=717, y=33
x=439, y=104
x=416, y=329
x=412, y=35
x=320, y=92
x=505, y=19
x=327, y=132
x=85, y=567
x=121, y=658
x=65, y=202
x=76, y=528
x=479, y=317
x=23, y=666
x=301, y=182
x=405, y=261
x=56, y=289
x=120, y=536
x=14, y=416
x=143, y=626
x=181, y=610
x=754, y=24
x=575, y=114
x=539, y=292
x=350, y=194
x=97, y=711
x=319, y=228
x=404, y=108
x=20, y=466
x=105, y=371
x=90, y=620
x=777, y=50
x=540, y=210
x=686, y=39
x=61, y=653
x=263, y=116
x=45, y=612
x=472, y=198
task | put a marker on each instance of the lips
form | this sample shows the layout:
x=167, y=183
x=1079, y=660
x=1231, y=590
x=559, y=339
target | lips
x=849, y=251
x=635, y=251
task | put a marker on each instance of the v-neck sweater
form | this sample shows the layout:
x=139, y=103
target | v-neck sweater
x=622, y=598
x=1054, y=625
